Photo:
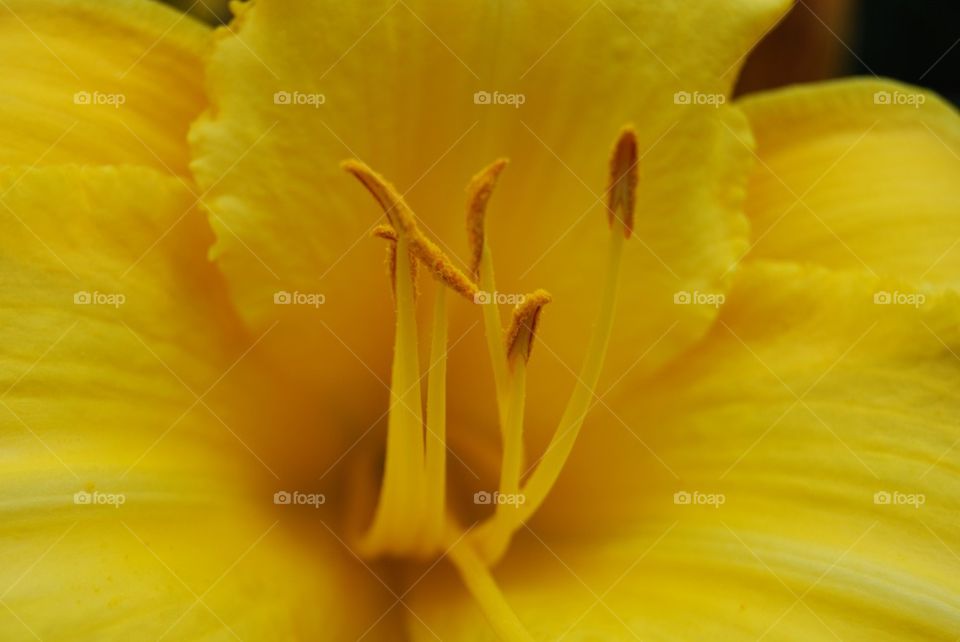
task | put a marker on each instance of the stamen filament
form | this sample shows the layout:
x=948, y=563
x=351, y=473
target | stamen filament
x=395, y=524
x=551, y=463
x=488, y=595
x=512, y=464
x=493, y=536
x=494, y=333
x=437, y=427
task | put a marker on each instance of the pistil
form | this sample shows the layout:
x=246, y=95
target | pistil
x=479, y=192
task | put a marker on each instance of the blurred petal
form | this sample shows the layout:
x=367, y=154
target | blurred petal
x=861, y=174
x=98, y=83
x=119, y=347
x=800, y=548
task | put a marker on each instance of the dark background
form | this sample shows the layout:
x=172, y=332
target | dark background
x=917, y=41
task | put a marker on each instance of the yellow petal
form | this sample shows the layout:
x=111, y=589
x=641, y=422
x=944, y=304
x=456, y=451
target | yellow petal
x=88, y=83
x=124, y=374
x=184, y=557
x=395, y=85
x=860, y=174
x=785, y=536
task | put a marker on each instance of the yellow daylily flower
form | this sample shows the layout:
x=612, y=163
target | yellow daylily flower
x=729, y=414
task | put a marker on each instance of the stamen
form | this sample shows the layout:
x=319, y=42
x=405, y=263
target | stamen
x=624, y=175
x=396, y=522
x=441, y=266
x=523, y=327
x=387, y=232
x=435, y=509
x=404, y=222
x=398, y=212
x=493, y=536
x=479, y=192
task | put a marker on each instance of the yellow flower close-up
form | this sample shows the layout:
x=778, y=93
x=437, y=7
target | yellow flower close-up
x=469, y=320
